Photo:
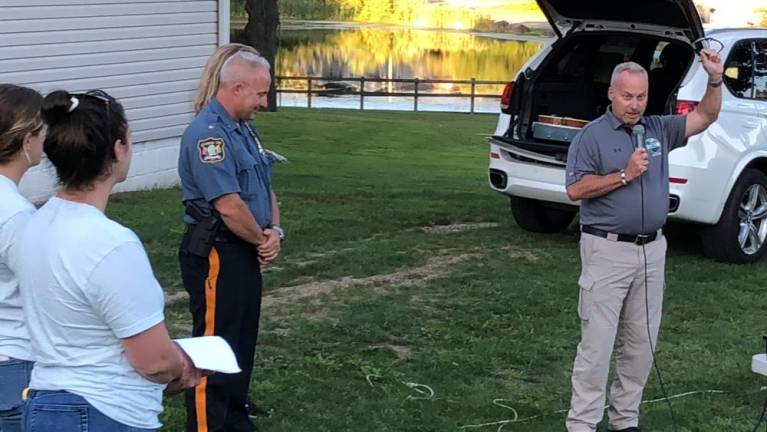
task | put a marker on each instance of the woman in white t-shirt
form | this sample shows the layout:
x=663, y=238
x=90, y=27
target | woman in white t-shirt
x=22, y=132
x=94, y=308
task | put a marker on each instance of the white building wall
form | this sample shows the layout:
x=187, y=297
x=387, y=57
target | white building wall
x=149, y=54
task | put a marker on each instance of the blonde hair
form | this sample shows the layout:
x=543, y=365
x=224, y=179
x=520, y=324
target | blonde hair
x=19, y=115
x=211, y=75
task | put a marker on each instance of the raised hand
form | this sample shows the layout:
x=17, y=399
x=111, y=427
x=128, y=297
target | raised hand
x=712, y=64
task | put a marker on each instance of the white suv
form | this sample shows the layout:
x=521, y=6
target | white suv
x=718, y=180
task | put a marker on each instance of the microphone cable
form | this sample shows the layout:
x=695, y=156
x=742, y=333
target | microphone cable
x=649, y=331
x=764, y=408
x=647, y=309
x=761, y=417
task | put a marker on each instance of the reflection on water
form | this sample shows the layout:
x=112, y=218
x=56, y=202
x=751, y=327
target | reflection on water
x=384, y=53
x=402, y=54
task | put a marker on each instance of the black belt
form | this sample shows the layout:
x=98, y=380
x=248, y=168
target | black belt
x=640, y=239
x=223, y=235
x=226, y=236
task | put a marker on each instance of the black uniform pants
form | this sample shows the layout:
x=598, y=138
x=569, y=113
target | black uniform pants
x=225, y=300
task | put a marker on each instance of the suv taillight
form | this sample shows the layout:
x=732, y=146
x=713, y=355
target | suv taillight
x=685, y=107
x=506, y=96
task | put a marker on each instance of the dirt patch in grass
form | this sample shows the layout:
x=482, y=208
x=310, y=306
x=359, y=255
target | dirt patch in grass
x=517, y=252
x=436, y=267
x=271, y=269
x=317, y=313
x=456, y=228
x=172, y=297
x=303, y=280
x=279, y=331
x=314, y=257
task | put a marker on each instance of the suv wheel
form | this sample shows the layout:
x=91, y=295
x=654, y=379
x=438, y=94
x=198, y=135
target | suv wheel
x=533, y=216
x=741, y=234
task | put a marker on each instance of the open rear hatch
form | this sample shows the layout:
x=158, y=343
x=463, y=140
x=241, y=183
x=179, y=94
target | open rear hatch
x=550, y=104
x=674, y=16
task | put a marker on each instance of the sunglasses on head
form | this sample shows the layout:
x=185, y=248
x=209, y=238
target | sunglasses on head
x=102, y=96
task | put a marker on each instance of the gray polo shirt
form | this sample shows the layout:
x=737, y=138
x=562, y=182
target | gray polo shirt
x=603, y=147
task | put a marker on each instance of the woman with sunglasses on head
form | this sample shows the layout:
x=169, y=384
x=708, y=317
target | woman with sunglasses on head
x=94, y=308
x=22, y=132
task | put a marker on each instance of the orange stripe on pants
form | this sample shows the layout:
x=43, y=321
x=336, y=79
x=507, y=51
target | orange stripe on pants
x=210, y=321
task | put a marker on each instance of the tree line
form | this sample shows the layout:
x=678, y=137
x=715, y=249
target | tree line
x=302, y=9
x=421, y=13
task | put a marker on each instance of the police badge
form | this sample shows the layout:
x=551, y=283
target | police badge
x=211, y=150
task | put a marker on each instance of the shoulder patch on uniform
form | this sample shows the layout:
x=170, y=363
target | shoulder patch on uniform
x=211, y=150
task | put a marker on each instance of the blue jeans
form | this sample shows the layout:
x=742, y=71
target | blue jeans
x=61, y=411
x=14, y=376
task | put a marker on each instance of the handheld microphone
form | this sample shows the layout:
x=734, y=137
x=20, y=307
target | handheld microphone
x=638, y=133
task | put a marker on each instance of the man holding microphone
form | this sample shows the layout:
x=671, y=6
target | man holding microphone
x=617, y=166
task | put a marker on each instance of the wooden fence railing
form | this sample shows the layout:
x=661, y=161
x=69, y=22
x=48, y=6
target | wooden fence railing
x=324, y=86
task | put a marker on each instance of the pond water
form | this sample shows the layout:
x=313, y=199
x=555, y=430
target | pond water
x=337, y=50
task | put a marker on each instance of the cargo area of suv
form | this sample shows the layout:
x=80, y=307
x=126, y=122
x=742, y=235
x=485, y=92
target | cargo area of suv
x=569, y=87
x=565, y=86
x=717, y=181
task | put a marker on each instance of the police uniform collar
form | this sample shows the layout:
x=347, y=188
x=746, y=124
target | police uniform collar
x=226, y=119
x=617, y=124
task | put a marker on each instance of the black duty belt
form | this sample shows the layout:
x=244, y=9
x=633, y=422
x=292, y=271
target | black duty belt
x=226, y=236
x=640, y=239
x=223, y=235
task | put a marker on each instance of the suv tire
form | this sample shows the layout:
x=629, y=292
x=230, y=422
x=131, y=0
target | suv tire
x=741, y=233
x=532, y=215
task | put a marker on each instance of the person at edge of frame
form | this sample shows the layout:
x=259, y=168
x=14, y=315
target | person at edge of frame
x=22, y=133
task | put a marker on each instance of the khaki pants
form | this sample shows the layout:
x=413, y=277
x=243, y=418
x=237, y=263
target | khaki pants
x=612, y=303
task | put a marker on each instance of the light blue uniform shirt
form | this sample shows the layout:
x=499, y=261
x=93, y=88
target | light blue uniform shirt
x=219, y=156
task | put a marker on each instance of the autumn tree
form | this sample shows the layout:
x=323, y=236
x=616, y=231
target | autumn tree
x=762, y=13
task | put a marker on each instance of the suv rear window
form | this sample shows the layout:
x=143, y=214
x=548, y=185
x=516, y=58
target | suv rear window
x=611, y=54
x=598, y=60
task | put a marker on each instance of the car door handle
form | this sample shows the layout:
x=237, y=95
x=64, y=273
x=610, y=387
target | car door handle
x=751, y=125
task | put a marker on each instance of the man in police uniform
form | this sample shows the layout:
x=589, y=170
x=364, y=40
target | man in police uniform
x=624, y=188
x=226, y=174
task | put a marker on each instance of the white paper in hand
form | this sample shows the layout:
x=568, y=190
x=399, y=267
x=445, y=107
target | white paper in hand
x=210, y=353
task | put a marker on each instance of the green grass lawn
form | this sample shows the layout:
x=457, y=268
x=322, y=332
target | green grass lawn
x=402, y=267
